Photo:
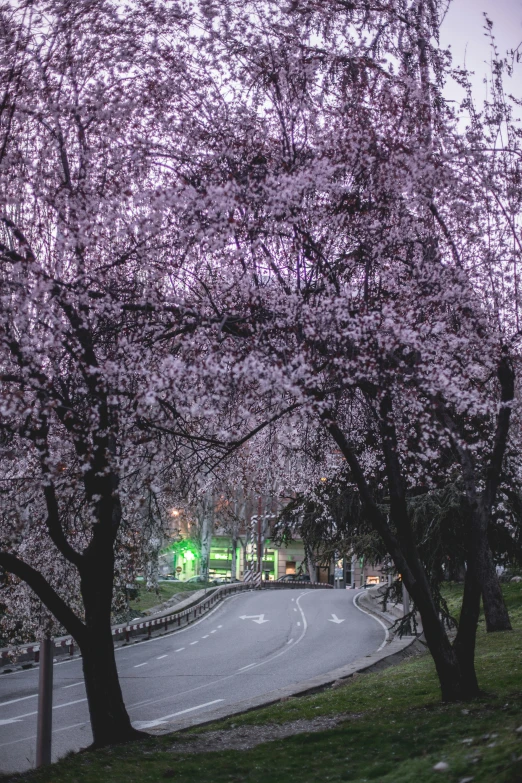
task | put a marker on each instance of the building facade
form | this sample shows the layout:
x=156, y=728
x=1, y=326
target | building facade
x=277, y=561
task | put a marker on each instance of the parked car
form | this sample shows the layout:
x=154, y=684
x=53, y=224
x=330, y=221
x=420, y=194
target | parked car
x=294, y=578
x=213, y=580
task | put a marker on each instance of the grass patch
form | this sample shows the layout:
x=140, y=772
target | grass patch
x=147, y=599
x=396, y=729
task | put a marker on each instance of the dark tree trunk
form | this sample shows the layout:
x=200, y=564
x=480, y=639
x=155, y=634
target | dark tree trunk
x=482, y=503
x=110, y=721
x=495, y=610
x=464, y=644
x=109, y=718
x=454, y=683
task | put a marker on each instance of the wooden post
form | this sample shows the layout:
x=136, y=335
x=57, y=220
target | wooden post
x=44, y=721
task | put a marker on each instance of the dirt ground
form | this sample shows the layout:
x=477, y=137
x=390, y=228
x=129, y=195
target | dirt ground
x=245, y=737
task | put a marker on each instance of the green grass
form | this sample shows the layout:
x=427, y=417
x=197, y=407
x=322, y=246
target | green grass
x=146, y=599
x=395, y=729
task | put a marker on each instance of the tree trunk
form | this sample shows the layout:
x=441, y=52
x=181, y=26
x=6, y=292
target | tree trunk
x=109, y=718
x=495, y=610
x=464, y=644
x=454, y=683
x=110, y=721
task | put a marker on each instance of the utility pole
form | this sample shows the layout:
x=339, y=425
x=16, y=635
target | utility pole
x=406, y=607
x=44, y=724
x=259, y=538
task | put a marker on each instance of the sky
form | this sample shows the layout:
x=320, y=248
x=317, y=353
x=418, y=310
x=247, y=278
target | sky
x=463, y=31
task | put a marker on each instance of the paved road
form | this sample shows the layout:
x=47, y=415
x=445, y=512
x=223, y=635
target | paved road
x=249, y=645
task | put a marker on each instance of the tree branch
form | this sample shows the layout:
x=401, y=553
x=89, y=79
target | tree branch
x=45, y=593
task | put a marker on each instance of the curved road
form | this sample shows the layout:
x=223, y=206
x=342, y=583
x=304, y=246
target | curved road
x=251, y=644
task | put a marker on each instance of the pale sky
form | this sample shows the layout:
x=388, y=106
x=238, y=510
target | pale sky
x=463, y=30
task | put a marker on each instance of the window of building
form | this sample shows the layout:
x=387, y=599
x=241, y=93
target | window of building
x=290, y=567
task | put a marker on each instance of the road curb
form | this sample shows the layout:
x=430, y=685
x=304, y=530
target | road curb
x=394, y=652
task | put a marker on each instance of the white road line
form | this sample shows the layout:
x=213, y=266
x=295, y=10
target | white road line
x=25, y=715
x=298, y=624
x=194, y=642
x=214, y=631
x=22, y=698
x=206, y=636
x=242, y=669
x=143, y=641
x=148, y=702
x=290, y=641
x=68, y=704
x=73, y=685
x=386, y=633
x=295, y=610
x=140, y=664
x=150, y=723
x=179, y=649
x=33, y=736
x=161, y=656
x=56, y=707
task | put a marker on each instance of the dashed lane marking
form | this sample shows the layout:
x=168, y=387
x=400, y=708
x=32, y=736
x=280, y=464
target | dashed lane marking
x=22, y=698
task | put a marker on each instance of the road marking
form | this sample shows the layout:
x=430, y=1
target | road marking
x=386, y=632
x=206, y=636
x=148, y=724
x=73, y=685
x=286, y=649
x=179, y=649
x=7, y=721
x=335, y=619
x=160, y=657
x=59, y=706
x=298, y=624
x=194, y=642
x=291, y=640
x=214, y=631
x=220, y=626
x=140, y=664
x=22, y=698
x=33, y=736
x=246, y=667
x=256, y=618
x=295, y=609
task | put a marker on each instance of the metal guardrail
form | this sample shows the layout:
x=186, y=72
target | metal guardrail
x=123, y=632
x=296, y=584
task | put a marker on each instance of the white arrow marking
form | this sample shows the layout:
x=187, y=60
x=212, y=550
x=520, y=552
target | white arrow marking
x=257, y=618
x=334, y=619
